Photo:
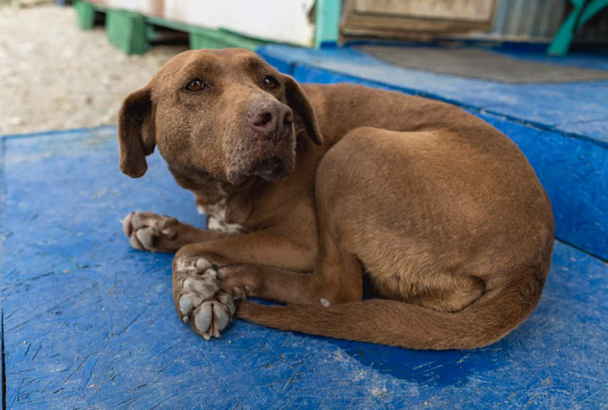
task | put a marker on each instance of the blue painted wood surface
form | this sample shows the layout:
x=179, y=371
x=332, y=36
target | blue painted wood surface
x=570, y=156
x=2, y=237
x=90, y=324
x=593, y=61
x=545, y=106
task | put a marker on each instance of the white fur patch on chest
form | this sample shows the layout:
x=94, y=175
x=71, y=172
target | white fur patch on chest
x=217, y=218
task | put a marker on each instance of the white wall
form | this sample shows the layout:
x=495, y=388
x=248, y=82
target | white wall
x=276, y=20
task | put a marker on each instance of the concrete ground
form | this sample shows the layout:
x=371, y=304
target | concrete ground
x=54, y=76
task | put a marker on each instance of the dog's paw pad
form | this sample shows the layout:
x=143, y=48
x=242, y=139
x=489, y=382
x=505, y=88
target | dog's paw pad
x=188, y=302
x=205, y=307
x=204, y=287
x=213, y=315
x=149, y=231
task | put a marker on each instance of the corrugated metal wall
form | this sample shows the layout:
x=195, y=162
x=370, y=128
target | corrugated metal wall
x=528, y=19
x=539, y=20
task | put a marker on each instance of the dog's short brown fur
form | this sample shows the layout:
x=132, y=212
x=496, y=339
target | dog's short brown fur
x=310, y=188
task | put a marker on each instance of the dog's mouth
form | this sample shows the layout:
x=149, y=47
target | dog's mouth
x=268, y=158
x=272, y=169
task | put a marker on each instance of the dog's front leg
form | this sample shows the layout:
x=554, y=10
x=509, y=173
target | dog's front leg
x=270, y=247
x=264, y=264
x=158, y=233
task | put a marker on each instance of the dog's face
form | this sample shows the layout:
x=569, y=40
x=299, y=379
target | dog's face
x=222, y=112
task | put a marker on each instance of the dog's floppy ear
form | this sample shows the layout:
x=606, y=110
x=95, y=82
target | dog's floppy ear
x=136, y=137
x=298, y=102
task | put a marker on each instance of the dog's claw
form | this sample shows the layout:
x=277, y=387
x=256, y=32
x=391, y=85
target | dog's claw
x=227, y=301
x=127, y=228
x=211, y=317
x=239, y=293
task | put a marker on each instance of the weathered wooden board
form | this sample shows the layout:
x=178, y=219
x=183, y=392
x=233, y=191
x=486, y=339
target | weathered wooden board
x=89, y=322
x=400, y=18
x=476, y=10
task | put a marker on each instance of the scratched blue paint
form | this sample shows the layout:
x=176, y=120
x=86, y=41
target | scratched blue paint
x=543, y=105
x=596, y=59
x=592, y=61
x=90, y=324
x=570, y=158
x=2, y=213
x=598, y=128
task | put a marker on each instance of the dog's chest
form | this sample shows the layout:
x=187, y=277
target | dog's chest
x=216, y=218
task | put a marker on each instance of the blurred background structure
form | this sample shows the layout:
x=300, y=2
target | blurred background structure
x=311, y=23
x=39, y=42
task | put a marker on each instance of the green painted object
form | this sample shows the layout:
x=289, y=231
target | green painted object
x=231, y=39
x=578, y=17
x=85, y=15
x=208, y=38
x=205, y=38
x=168, y=23
x=132, y=32
x=127, y=31
x=327, y=22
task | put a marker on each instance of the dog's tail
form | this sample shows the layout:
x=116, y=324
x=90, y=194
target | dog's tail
x=395, y=323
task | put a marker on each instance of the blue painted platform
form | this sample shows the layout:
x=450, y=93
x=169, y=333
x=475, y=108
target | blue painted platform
x=89, y=322
x=561, y=127
x=565, y=107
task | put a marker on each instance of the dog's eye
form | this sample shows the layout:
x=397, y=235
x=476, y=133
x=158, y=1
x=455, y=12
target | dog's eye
x=195, y=85
x=271, y=82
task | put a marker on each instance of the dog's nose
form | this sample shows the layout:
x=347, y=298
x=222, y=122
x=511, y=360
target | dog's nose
x=269, y=117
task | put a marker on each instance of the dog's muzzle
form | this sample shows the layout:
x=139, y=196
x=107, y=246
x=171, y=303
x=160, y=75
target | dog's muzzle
x=266, y=148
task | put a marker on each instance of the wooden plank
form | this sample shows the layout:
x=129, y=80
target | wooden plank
x=393, y=26
x=3, y=232
x=90, y=324
x=99, y=328
x=467, y=10
x=85, y=15
x=127, y=31
x=131, y=32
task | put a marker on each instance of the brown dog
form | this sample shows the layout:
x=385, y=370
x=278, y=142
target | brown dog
x=309, y=189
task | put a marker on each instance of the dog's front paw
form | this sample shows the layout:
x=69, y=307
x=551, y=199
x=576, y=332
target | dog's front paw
x=198, y=297
x=151, y=232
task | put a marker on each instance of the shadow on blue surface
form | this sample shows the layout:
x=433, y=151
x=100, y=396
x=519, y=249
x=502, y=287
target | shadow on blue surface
x=89, y=322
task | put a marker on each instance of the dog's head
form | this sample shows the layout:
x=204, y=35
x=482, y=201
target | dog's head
x=226, y=113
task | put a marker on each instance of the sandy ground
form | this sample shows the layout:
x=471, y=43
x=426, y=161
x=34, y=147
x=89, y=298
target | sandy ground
x=55, y=76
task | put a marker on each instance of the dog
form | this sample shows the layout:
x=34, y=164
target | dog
x=317, y=193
